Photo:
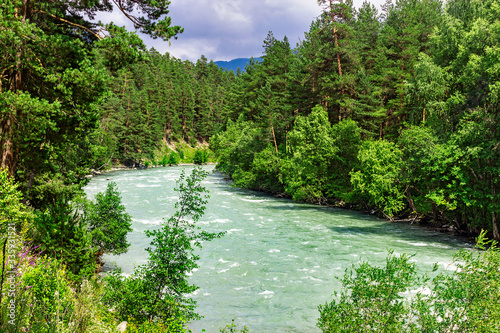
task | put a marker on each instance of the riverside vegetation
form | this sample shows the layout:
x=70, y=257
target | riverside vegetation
x=394, y=111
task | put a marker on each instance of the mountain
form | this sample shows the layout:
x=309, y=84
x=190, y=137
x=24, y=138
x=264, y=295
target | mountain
x=235, y=63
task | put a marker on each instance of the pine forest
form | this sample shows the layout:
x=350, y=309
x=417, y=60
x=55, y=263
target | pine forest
x=394, y=112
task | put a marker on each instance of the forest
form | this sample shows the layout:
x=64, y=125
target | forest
x=394, y=112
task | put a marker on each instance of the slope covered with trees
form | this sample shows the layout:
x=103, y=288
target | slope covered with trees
x=394, y=110
x=160, y=99
x=54, y=84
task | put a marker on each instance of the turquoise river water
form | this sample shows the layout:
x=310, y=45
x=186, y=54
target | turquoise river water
x=279, y=259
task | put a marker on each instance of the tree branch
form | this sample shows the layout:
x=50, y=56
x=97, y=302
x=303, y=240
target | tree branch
x=133, y=19
x=71, y=23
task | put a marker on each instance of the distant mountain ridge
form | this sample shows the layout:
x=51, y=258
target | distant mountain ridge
x=235, y=63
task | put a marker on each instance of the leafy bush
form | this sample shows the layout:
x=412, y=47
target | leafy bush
x=180, y=151
x=45, y=300
x=377, y=178
x=164, y=160
x=200, y=156
x=107, y=222
x=173, y=325
x=173, y=159
x=62, y=234
x=397, y=299
x=156, y=291
x=371, y=298
x=11, y=208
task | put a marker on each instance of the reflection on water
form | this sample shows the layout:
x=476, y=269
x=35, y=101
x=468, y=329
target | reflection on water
x=279, y=259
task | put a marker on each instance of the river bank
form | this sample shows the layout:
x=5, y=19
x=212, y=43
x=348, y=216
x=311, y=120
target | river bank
x=279, y=258
x=122, y=167
x=421, y=220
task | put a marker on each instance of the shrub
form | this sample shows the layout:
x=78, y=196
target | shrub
x=200, y=156
x=371, y=298
x=164, y=160
x=108, y=222
x=173, y=158
x=45, y=300
x=397, y=299
x=156, y=291
x=180, y=151
x=232, y=328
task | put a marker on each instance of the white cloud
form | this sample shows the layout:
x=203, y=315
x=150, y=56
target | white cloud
x=230, y=11
x=228, y=29
x=190, y=49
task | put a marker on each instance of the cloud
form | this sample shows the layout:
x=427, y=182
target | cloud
x=228, y=29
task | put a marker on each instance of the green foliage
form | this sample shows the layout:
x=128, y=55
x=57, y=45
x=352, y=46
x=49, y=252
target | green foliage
x=107, y=222
x=161, y=101
x=173, y=158
x=174, y=324
x=377, y=179
x=266, y=171
x=123, y=49
x=49, y=295
x=232, y=328
x=237, y=146
x=60, y=229
x=200, y=157
x=426, y=92
x=397, y=299
x=46, y=302
x=346, y=135
x=11, y=208
x=312, y=150
x=431, y=170
x=62, y=234
x=164, y=160
x=156, y=291
x=467, y=300
x=180, y=151
x=372, y=298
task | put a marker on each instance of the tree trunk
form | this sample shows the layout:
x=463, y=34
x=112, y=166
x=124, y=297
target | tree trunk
x=434, y=211
x=496, y=233
x=272, y=131
x=410, y=201
x=7, y=144
x=8, y=152
x=335, y=37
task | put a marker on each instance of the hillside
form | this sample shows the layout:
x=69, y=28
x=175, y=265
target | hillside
x=235, y=63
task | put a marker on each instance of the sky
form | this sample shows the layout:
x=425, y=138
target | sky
x=229, y=29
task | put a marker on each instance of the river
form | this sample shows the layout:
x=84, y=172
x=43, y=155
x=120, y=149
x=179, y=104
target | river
x=279, y=259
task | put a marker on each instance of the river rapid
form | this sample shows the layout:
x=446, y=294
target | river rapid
x=279, y=259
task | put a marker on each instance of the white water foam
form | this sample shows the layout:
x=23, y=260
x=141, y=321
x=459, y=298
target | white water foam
x=148, y=222
x=267, y=292
x=254, y=200
x=222, y=221
x=144, y=185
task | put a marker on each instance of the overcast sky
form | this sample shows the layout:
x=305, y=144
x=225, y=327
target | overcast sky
x=229, y=29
